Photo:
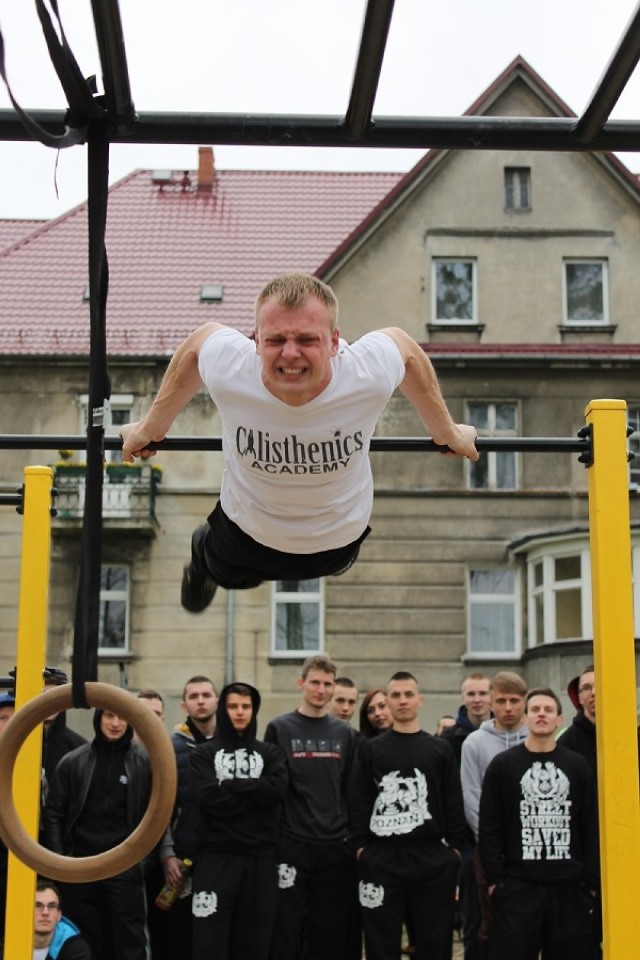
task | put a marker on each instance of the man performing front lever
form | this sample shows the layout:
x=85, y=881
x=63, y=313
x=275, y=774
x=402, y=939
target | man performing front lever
x=298, y=408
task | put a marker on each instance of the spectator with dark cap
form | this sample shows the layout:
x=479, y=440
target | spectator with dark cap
x=581, y=735
x=58, y=738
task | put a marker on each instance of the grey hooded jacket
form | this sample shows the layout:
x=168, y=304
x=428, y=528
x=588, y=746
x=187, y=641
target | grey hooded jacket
x=478, y=750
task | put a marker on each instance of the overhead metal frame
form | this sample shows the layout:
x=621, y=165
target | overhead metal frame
x=593, y=131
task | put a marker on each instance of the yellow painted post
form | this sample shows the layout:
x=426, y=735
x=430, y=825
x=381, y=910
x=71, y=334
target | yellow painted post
x=30, y=662
x=614, y=661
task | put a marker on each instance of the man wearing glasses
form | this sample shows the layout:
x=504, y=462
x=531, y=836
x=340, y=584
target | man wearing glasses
x=55, y=936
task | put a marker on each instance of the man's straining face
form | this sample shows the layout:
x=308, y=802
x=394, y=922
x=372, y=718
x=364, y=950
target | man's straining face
x=296, y=346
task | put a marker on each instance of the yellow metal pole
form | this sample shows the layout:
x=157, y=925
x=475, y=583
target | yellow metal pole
x=30, y=662
x=614, y=661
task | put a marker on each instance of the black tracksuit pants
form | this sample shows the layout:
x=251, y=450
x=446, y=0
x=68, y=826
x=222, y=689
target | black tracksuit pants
x=398, y=881
x=315, y=892
x=553, y=917
x=234, y=906
x=111, y=914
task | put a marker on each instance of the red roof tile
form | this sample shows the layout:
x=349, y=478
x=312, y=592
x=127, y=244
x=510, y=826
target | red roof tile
x=13, y=230
x=164, y=242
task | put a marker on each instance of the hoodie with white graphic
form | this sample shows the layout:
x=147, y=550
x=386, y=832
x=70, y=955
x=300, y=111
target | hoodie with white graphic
x=239, y=783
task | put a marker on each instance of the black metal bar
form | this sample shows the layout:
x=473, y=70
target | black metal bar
x=612, y=82
x=375, y=30
x=11, y=499
x=113, y=59
x=389, y=444
x=464, y=133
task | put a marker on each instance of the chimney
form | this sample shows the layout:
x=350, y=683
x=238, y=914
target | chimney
x=206, y=169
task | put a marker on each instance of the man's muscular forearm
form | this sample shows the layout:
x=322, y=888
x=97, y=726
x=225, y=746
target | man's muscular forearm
x=180, y=384
x=420, y=387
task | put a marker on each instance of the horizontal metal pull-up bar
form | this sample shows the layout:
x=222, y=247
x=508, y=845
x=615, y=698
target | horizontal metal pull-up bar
x=263, y=130
x=582, y=445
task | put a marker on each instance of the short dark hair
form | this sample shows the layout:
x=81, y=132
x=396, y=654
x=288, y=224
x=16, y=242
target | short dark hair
x=151, y=695
x=318, y=662
x=345, y=682
x=199, y=678
x=43, y=884
x=542, y=692
x=403, y=675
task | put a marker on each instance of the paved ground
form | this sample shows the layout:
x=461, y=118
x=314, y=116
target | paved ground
x=457, y=953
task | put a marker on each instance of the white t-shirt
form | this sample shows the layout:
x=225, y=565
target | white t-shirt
x=297, y=478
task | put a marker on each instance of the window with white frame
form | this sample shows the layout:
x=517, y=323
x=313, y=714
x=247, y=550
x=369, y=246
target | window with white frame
x=517, y=188
x=634, y=446
x=493, y=600
x=297, y=624
x=559, y=594
x=559, y=591
x=586, y=292
x=119, y=412
x=113, y=635
x=495, y=470
x=454, y=291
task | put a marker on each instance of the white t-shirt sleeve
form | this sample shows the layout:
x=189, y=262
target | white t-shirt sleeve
x=223, y=350
x=381, y=358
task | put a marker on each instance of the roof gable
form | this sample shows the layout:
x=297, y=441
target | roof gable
x=490, y=103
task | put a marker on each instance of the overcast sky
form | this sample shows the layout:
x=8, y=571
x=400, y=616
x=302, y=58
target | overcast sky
x=296, y=56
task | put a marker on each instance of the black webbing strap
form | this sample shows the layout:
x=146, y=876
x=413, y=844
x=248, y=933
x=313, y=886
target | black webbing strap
x=87, y=620
x=87, y=122
x=83, y=106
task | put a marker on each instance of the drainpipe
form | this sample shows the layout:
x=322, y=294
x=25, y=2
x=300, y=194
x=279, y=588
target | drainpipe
x=231, y=610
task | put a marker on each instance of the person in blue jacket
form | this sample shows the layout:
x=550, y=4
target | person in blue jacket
x=55, y=937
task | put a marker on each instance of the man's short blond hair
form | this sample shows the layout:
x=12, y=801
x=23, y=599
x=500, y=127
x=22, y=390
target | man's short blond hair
x=508, y=682
x=292, y=290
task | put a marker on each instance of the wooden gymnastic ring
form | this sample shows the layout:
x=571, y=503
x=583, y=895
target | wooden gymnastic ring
x=163, y=787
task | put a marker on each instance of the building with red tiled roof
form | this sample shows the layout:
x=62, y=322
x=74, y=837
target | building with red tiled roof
x=515, y=270
x=168, y=235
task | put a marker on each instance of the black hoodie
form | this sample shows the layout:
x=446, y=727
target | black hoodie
x=98, y=794
x=239, y=783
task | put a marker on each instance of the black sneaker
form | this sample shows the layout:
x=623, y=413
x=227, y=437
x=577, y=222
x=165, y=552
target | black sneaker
x=196, y=594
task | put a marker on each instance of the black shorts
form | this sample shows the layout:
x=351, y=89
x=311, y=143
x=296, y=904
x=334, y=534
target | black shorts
x=234, y=560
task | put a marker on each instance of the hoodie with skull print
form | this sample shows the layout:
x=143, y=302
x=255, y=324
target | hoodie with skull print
x=239, y=783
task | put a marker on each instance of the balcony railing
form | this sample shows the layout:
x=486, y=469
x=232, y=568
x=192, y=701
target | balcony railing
x=128, y=492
